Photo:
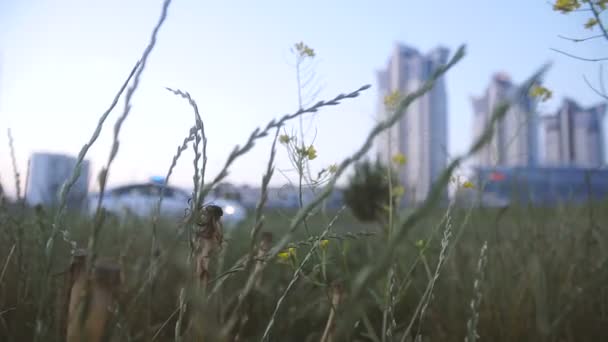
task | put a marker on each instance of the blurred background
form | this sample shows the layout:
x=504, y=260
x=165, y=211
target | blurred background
x=62, y=61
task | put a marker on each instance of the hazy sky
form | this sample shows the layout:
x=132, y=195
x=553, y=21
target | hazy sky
x=62, y=61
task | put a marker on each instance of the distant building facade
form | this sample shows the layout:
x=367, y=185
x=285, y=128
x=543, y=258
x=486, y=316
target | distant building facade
x=540, y=185
x=574, y=136
x=48, y=173
x=515, y=140
x=421, y=135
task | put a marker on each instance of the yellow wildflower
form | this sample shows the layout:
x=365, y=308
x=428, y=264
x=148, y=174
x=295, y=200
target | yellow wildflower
x=286, y=255
x=283, y=256
x=590, y=23
x=304, y=50
x=541, y=92
x=468, y=185
x=391, y=100
x=310, y=152
x=284, y=139
x=399, y=159
x=566, y=6
x=333, y=168
x=324, y=243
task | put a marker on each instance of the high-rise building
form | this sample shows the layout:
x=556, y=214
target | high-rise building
x=421, y=135
x=574, y=136
x=48, y=172
x=515, y=139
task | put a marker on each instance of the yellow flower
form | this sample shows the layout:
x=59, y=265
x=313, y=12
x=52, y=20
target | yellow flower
x=286, y=255
x=420, y=243
x=391, y=100
x=323, y=244
x=284, y=139
x=333, y=168
x=566, y=6
x=590, y=23
x=399, y=159
x=541, y=92
x=283, y=256
x=468, y=185
x=311, y=152
x=304, y=50
x=398, y=191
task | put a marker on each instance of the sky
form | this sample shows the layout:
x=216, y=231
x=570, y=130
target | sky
x=62, y=61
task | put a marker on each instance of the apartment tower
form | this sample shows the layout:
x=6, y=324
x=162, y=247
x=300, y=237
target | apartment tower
x=421, y=134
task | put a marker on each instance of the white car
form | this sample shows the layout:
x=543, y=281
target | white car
x=141, y=200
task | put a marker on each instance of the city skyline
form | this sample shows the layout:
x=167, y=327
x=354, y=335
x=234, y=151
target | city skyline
x=235, y=61
x=572, y=136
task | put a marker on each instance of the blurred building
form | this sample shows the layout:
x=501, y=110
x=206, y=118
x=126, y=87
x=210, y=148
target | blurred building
x=540, y=185
x=421, y=134
x=575, y=136
x=515, y=140
x=47, y=174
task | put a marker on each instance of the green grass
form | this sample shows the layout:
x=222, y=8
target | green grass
x=546, y=277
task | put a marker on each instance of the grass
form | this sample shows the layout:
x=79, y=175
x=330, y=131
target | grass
x=545, y=277
x=430, y=273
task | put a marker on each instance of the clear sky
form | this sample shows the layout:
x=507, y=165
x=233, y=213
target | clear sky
x=62, y=61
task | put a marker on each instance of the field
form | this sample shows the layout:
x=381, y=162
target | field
x=545, y=278
x=439, y=271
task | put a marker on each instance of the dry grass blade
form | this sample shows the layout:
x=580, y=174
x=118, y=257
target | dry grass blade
x=200, y=126
x=426, y=296
x=127, y=107
x=579, y=57
x=8, y=260
x=578, y=40
x=336, y=299
x=165, y=323
x=472, y=323
x=11, y=144
x=258, y=133
x=238, y=314
x=595, y=90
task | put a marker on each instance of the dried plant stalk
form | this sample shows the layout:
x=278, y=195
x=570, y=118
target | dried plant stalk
x=336, y=298
x=263, y=250
x=64, y=293
x=105, y=282
x=15, y=169
x=260, y=262
x=208, y=240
